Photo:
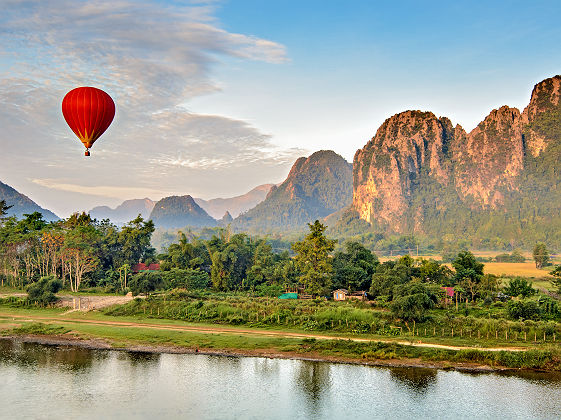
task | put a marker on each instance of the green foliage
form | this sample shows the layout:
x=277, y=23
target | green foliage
x=523, y=309
x=146, y=282
x=519, y=287
x=556, y=278
x=469, y=272
x=412, y=301
x=515, y=257
x=541, y=255
x=44, y=290
x=185, y=278
x=313, y=261
x=354, y=267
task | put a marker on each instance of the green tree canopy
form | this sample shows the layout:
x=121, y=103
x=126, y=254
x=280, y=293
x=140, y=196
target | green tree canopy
x=541, y=255
x=313, y=260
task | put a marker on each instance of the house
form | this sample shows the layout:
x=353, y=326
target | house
x=141, y=267
x=340, y=294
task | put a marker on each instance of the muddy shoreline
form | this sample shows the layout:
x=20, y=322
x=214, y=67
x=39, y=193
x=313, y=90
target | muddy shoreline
x=100, y=344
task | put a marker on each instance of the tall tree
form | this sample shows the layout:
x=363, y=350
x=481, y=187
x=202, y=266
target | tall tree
x=3, y=210
x=469, y=272
x=313, y=260
x=541, y=255
x=354, y=267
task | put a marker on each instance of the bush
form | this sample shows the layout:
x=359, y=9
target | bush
x=523, y=309
x=145, y=282
x=185, y=278
x=43, y=291
x=519, y=287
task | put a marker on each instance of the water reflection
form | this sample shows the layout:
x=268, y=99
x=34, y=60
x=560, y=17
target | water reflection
x=141, y=358
x=72, y=382
x=313, y=378
x=35, y=356
x=416, y=379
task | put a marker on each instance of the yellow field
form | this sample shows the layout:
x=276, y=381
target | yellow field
x=526, y=269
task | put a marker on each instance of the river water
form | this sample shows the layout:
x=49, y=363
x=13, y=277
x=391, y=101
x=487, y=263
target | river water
x=38, y=381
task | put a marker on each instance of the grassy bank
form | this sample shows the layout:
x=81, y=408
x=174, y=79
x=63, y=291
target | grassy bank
x=475, y=325
x=331, y=350
x=162, y=335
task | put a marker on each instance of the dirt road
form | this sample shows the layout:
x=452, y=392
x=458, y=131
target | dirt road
x=211, y=329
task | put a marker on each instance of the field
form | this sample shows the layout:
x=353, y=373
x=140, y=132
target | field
x=526, y=269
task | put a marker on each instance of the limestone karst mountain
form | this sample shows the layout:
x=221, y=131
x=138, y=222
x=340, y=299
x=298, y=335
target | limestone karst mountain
x=315, y=187
x=420, y=174
x=179, y=212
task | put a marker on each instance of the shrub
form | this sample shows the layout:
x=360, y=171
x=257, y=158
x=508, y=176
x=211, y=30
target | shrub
x=519, y=287
x=43, y=291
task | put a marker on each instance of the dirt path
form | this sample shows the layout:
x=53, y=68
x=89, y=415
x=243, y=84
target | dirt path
x=242, y=331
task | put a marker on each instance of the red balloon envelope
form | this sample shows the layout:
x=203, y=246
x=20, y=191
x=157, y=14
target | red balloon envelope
x=89, y=112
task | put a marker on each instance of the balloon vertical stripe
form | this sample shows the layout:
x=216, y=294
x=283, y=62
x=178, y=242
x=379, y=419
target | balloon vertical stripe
x=89, y=112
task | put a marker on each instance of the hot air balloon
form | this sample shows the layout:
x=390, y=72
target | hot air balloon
x=89, y=112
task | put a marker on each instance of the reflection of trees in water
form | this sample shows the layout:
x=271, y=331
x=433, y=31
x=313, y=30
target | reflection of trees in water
x=417, y=379
x=41, y=355
x=269, y=367
x=314, y=379
x=142, y=358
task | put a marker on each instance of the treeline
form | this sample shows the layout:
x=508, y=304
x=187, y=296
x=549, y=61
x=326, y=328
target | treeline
x=85, y=253
x=80, y=251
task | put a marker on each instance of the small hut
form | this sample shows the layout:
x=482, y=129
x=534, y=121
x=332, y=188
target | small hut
x=340, y=294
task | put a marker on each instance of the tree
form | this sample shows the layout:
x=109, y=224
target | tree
x=541, y=255
x=469, y=272
x=134, y=241
x=519, y=287
x=412, y=301
x=313, y=261
x=556, y=278
x=3, y=210
x=353, y=267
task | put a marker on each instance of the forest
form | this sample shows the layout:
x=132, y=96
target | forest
x=83, y=254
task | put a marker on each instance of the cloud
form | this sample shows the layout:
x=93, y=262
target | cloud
x=102, y=191
x=152, y=59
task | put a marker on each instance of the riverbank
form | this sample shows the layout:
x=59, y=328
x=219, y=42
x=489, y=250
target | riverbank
x=56, y=328
x=97, y=344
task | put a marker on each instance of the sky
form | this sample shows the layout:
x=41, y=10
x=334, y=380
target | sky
x=216, y=97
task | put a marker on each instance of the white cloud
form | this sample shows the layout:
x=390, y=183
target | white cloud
x=152, y=59
x=101, y=190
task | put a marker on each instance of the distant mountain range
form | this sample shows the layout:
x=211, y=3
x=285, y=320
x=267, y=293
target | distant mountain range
x=22, y=204
x=217, y=207
x=124, y=212
x=497, y=186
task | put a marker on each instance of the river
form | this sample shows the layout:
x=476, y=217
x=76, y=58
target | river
x=38, y=381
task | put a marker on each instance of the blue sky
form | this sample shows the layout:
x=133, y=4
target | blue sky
x=214, y=98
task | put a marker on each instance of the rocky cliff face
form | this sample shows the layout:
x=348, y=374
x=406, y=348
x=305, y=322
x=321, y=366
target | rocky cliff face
x=418, y=166
x=388, y=168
